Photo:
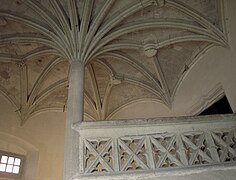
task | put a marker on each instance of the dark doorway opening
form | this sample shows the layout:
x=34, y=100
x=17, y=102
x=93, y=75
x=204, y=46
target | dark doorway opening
x=220, y=107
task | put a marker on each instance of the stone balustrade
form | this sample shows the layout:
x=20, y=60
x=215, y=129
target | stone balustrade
x=155, y=145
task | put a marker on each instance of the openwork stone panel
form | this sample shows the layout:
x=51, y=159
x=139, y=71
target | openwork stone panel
x=158, y=151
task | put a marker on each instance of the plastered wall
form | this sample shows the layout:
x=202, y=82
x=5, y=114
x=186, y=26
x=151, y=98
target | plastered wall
x=41, y=140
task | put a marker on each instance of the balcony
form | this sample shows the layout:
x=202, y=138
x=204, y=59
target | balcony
x=153, y=147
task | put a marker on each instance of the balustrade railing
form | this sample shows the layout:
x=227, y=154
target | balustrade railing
x=144, y=145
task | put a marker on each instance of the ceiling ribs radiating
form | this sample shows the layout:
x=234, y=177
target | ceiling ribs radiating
x=103, y=35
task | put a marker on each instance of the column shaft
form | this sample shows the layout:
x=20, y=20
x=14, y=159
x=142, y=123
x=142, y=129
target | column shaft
x=75, y=111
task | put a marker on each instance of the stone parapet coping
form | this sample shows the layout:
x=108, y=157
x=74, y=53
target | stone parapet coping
x=157, y=121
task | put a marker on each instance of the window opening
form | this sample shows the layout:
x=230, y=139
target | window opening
x=10, y=164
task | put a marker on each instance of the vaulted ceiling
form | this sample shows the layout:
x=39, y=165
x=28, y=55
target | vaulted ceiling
x=133, y=50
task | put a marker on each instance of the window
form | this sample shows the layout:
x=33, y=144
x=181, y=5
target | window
x=10, y=165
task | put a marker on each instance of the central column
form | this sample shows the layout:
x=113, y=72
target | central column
x=75, y=112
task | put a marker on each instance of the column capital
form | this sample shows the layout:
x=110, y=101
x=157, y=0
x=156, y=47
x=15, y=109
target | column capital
x=77, y=62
